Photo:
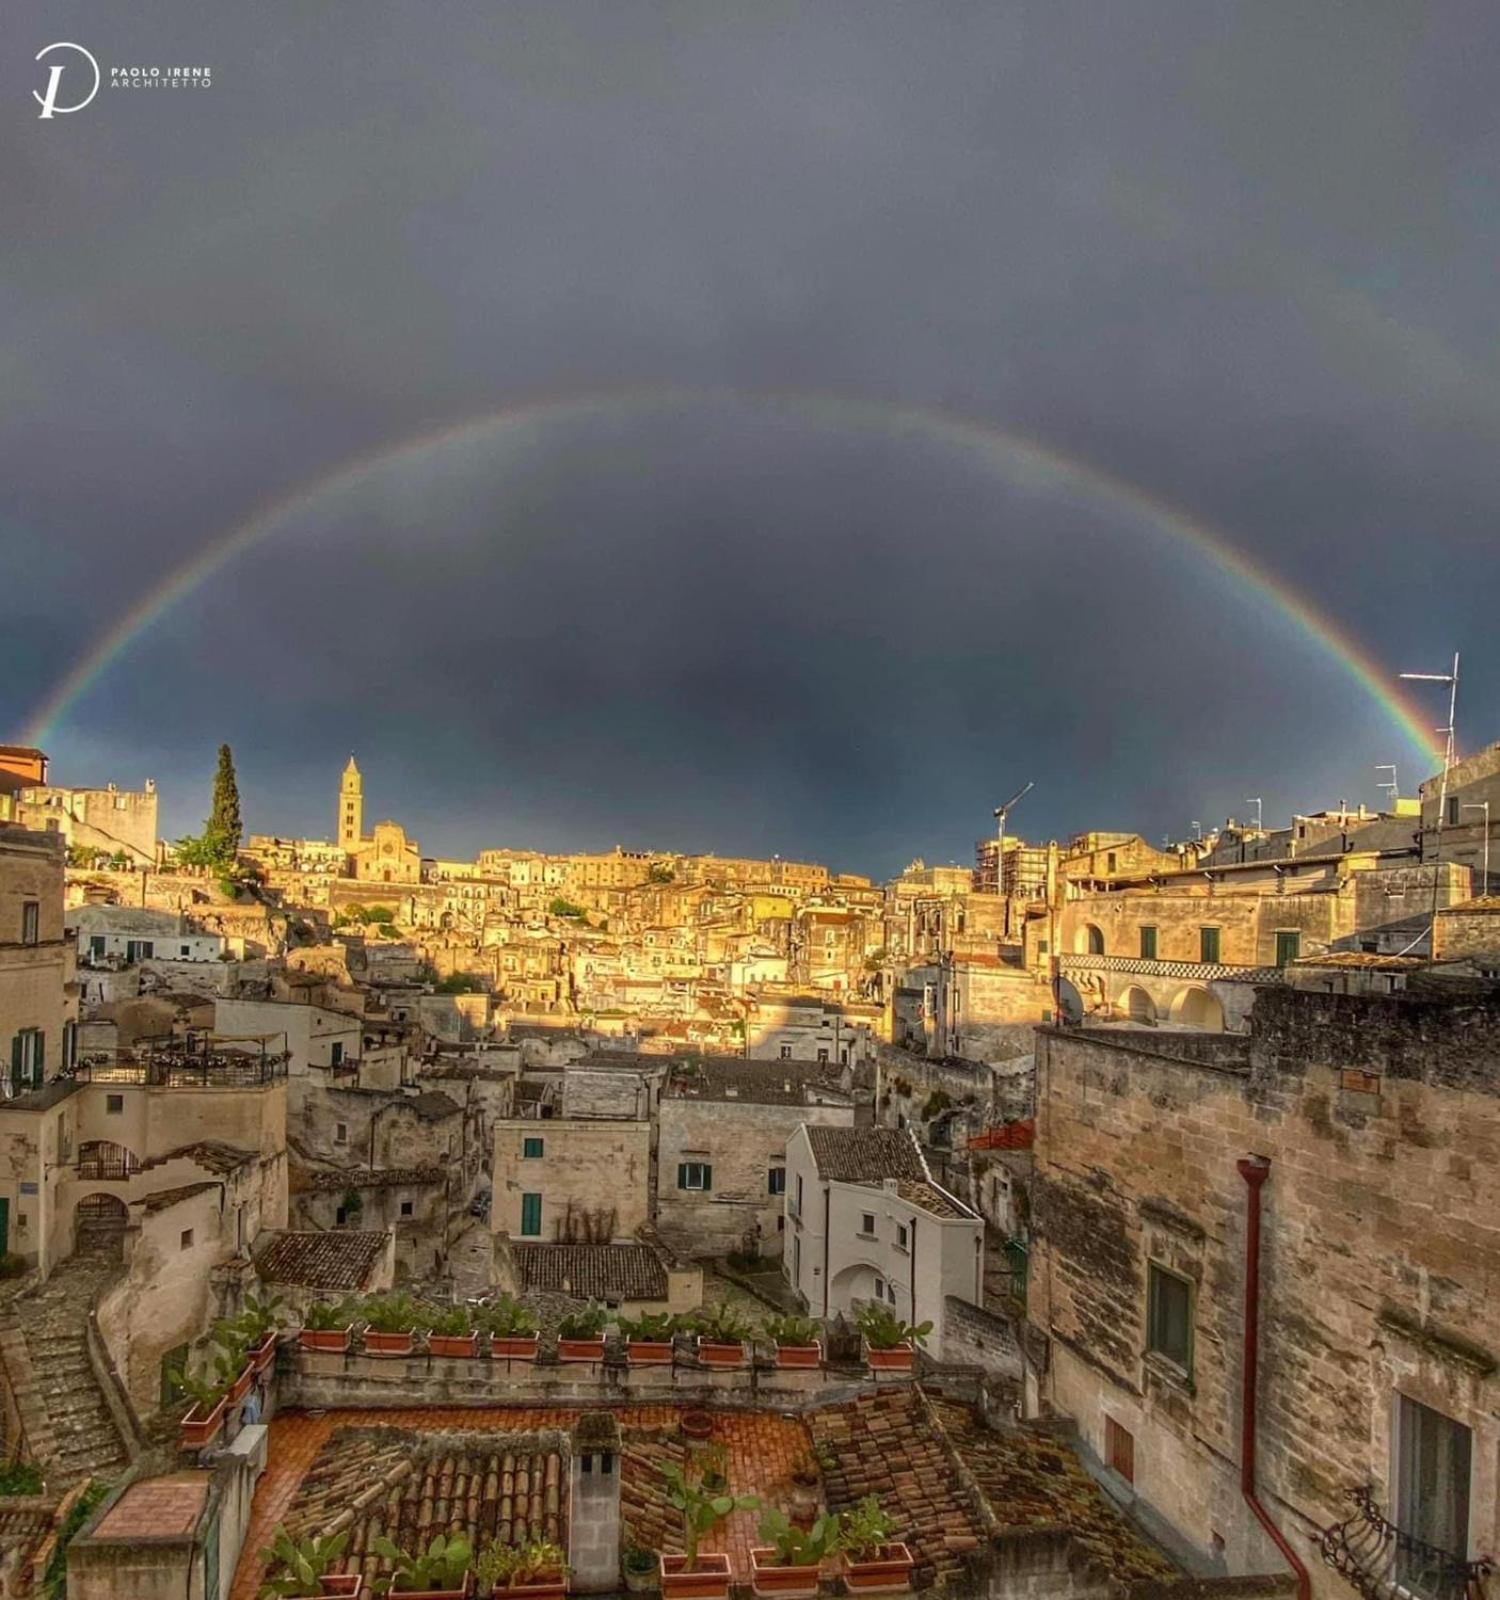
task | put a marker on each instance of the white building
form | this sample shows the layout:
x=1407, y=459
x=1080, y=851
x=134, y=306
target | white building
x=128, y=935
x=865, y=1221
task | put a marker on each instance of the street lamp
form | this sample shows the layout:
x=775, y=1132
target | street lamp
x=1484, y=806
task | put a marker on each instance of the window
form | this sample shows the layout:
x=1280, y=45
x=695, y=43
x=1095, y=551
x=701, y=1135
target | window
x=531, y=1149
x=1433, y=1468
x=336, y=1053
x=823, y=1056
x=867, y=1224
x=531, y=1216
x=1148, y=944
x=799, y=1194
x=901, y=1243
x=1041, y=947
x=1288, y=948
x=1119, y=1450
x=786, y=1052
x=695, y=1175
x=187, y=950
x=114, y=1104
x=341, y=1133
x=1096, y=940
x=28, y=1050
x=1111, y=861
x=776, y=1180
x=406, y=1208
x=1208, y=944
x=70, y=1045
x=31, y=921
x=1169, y=1317
x=1452, y=810
x=186, y=1241
x=96, y=947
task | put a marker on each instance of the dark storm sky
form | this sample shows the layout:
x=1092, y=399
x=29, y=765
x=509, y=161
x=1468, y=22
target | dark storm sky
x=1242, y=256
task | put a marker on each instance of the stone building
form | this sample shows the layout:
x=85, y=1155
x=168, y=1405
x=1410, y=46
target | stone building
x=722, y=1132
x=121, y=936
x=788, y=1024
x=38, y=1005
x=114, y=823
x=867, y=1223
x=1367, y=1127
x=1470, y=809
x=573, y=1179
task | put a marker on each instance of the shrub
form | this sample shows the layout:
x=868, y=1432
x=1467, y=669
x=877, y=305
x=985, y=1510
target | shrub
x=296, y=1565
x=722, y=1324
x=884, y=1330
x=585, y=1324
x=516, y=1563
x=657, y=1325
x=799, y=1547
x=792, y=1330
x=505, y=1318
x=392, y=1313
x=450, y=1322
x=444, y=1564
x=21, y=1477
x=865, y=1529
x=324, y=1316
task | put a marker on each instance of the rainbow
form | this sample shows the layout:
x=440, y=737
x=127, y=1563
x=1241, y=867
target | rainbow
x=995, y=449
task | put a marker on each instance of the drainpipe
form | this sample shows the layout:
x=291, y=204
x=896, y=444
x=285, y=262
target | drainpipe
x=1255, y=1170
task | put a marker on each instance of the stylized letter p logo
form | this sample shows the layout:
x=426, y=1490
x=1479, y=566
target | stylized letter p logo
x=47, y=99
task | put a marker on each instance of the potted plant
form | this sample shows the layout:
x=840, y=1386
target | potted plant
x=702, y=1505
x=511, y=1327
x=299, y=1567
x=537, y=1571
x=640, y=1568
x=210, y=1397
x=797, y=1341
x=326, y=1327
x=580, y=1335
x=391, y=1323
x=648, y=1338
x=440, y=1572
x=790, y=1561
x=875, y=1561
x=259, y=1322
x=451, y=1332
x=723, y=1336
x=231, y=1365
x=889, y=1342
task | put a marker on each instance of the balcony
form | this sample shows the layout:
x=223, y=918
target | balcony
x=1181, y=971
x=1382, y=1562
x=182, y=1069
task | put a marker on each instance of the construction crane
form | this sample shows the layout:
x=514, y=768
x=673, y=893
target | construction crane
x=1001, y=813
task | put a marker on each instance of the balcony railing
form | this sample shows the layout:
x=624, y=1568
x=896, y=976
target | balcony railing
x=1382, y=1562
x=173, y=1069
x=1186, y=971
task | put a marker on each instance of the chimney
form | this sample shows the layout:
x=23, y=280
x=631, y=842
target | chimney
x=594, y=1504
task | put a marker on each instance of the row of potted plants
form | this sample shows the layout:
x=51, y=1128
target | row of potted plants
x=239, y=1349
x=444, y=1569
x=723, y=1337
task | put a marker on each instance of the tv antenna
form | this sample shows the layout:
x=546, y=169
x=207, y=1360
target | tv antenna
x=1391, y=786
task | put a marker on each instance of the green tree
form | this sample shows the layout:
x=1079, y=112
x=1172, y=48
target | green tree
x=206, y=849
x=224, y=822
x=460, y=983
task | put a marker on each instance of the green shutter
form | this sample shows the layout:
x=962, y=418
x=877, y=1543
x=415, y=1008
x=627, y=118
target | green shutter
x=682, y=1174
x=531, y=1216
x=15, y=1064
x=708, y=1176
x=39, y=1061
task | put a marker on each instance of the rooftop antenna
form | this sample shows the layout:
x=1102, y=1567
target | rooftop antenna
x=1001, y=813
x=1392, y=785
x=1449, y=734
x=1255, y=801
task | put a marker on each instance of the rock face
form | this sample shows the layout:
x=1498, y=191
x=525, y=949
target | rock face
x=44, y=1346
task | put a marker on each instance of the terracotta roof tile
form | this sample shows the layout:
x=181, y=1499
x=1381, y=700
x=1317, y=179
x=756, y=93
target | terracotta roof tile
x=340, y=1258
x=591, y=1271
x=863, y=1155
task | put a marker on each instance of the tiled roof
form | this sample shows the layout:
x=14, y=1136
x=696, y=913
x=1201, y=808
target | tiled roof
x=767, y=1083
x=591, y=1271
x=304, y=1181
x=338, y=1258
x=863, y=1155
x=432, y=1105
x=210, y=1153
x=505, y=1488
x=932, y=1199
x=156, y=1508
x=165, y=1198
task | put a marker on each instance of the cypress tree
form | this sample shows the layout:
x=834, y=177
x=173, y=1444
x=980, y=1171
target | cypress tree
x=224, y=825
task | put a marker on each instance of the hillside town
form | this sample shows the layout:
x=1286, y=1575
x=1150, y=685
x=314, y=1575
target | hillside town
x=1102, y=1219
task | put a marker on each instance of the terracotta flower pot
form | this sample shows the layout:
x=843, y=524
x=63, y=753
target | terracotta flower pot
x=888, y=1572
x=549, y=1585
x=439, y=1594
x=648, y=1352
x=697, y=1425
x=347, y=1585
x=514, y=1347
x=722, y=1356
x=388, y=1344
x=199, y=1428
x=769, y=1577
x=709, y=1580
x=264, y=1353
x=453, y=1344
x=581, y=1349
x=901, y=1359
x=334, y=1339
x=800, y=1357
x=241, y=1386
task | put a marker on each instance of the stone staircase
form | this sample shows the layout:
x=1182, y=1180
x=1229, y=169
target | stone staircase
x=69, y=1428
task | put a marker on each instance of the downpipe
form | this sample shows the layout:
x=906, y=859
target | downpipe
x=1255, y=1170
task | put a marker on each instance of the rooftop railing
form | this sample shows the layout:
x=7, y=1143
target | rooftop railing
x=183, y=1069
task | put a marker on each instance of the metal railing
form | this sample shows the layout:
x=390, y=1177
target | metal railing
x=1383, y=1562
x=183, y=1069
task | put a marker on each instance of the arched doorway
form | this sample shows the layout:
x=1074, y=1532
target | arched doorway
x=1089, y=940
x=1197, y=1008
x=99, y=1223
x=1138, y=1006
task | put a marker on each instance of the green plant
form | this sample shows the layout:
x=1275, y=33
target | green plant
x=392, y=1313
x=519, y=1563
x=936, y=1103
x=296, y=1565
x=585, y=1324
x=701, y=1508
x=865, y=1529
x=884, y=1330
x=658, y=1325
x=505, y=1318
x=204, y=1392
x=564, y=908
x=353, y=1203
x=324, y=1316
x=639, y=1561
x=722, y=1324
x=460, y=983
x=55, y=1579
x=229, y=1362
x=792, y=1330
x=21, y=1477
x=442, y=1565
x=259, y=1316
x=800, y=1547
x=451, y=1322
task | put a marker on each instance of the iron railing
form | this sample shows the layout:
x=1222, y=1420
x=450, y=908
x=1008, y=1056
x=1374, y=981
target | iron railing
x=1383, y=1562
x=183, y=1069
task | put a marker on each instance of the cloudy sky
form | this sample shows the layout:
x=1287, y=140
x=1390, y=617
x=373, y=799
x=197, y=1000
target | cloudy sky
x=868, y=382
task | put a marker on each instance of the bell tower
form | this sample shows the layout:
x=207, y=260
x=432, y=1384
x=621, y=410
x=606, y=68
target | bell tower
x=351, y=808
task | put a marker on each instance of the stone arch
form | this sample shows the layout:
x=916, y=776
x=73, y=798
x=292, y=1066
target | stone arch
x=1197, y=1008
x=1089, y=940
x=103, y=1158
x=1136, y=1004
x=99, y=1222
x=1069, y=1001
